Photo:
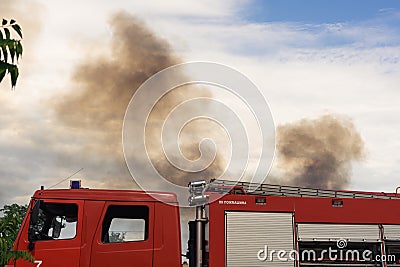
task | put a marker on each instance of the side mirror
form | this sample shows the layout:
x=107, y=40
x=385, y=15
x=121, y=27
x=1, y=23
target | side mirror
x=57, y=225
x=35, y=212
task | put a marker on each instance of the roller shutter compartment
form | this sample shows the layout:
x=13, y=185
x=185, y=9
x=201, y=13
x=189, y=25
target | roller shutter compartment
x=249, y=232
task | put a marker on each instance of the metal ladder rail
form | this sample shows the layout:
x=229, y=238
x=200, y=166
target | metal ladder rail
x=285, y=190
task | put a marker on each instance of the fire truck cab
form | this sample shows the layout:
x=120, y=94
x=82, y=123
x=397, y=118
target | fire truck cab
x=87, y=227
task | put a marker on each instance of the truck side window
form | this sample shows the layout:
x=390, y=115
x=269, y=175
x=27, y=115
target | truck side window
x=125, y=224
x=56, y=221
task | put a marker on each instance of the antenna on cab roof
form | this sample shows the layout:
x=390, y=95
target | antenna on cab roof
x=65, y=178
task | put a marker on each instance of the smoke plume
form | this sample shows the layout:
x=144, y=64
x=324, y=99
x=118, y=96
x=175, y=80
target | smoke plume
x=104, y=86
x=315, y=153
x=318, y=152
x=28, y=16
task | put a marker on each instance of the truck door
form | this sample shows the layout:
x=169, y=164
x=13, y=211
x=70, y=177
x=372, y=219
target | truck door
x=56, y=234
x=124, y=236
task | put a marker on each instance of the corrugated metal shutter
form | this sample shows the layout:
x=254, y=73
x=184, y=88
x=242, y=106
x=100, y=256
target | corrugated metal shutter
x=391, y=232
x=249, y=232
x=326, y=232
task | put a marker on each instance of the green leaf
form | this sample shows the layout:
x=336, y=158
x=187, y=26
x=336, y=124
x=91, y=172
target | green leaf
x=7, y=32
x=2, y=74
x=11, y=48
x=17, y=28
x=14, y=75
x=5, y=54
x=19, y=49
x=10, y=52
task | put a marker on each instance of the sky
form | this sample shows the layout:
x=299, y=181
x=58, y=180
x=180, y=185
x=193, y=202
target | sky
x=318, y=11
x=309, y=58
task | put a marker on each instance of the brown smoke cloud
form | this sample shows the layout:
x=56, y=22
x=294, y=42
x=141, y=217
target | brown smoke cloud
x=318, y=152
x=315, y=153
x=104, y=85
x=27, y=14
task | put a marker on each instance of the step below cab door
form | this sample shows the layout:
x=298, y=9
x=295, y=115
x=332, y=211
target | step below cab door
x=54, y=234
x=124, y=236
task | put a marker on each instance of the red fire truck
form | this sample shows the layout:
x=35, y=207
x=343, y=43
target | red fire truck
x=237, y=225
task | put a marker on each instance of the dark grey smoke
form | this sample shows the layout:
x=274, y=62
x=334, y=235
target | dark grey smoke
x=103, y=88
x=318, y=152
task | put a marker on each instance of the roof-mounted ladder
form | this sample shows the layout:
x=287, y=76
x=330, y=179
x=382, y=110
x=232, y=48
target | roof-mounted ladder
x=284, y=190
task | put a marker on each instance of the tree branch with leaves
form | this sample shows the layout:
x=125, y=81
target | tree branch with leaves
x=10, y=221
x=10, y=50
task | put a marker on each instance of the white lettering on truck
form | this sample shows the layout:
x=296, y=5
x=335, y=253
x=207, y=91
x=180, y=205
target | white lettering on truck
x=232, y=202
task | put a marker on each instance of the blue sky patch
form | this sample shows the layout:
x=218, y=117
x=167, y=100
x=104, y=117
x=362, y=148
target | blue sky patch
x=318, y=11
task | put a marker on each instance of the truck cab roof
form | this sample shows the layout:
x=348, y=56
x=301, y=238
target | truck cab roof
x=107, y=194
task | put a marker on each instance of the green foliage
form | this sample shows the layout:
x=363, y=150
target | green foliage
x=10, y=221
x=10, y=50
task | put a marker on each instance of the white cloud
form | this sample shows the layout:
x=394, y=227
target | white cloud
x=307, y=70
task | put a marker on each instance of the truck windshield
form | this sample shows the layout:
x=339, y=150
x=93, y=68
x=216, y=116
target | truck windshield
x=56, y=221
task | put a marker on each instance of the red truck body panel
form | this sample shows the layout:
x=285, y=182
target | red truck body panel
x=305, y=210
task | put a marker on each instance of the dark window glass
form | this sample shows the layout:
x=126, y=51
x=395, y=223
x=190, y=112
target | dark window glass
x=125, y=224
x=392, y=249
x=56, y=221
